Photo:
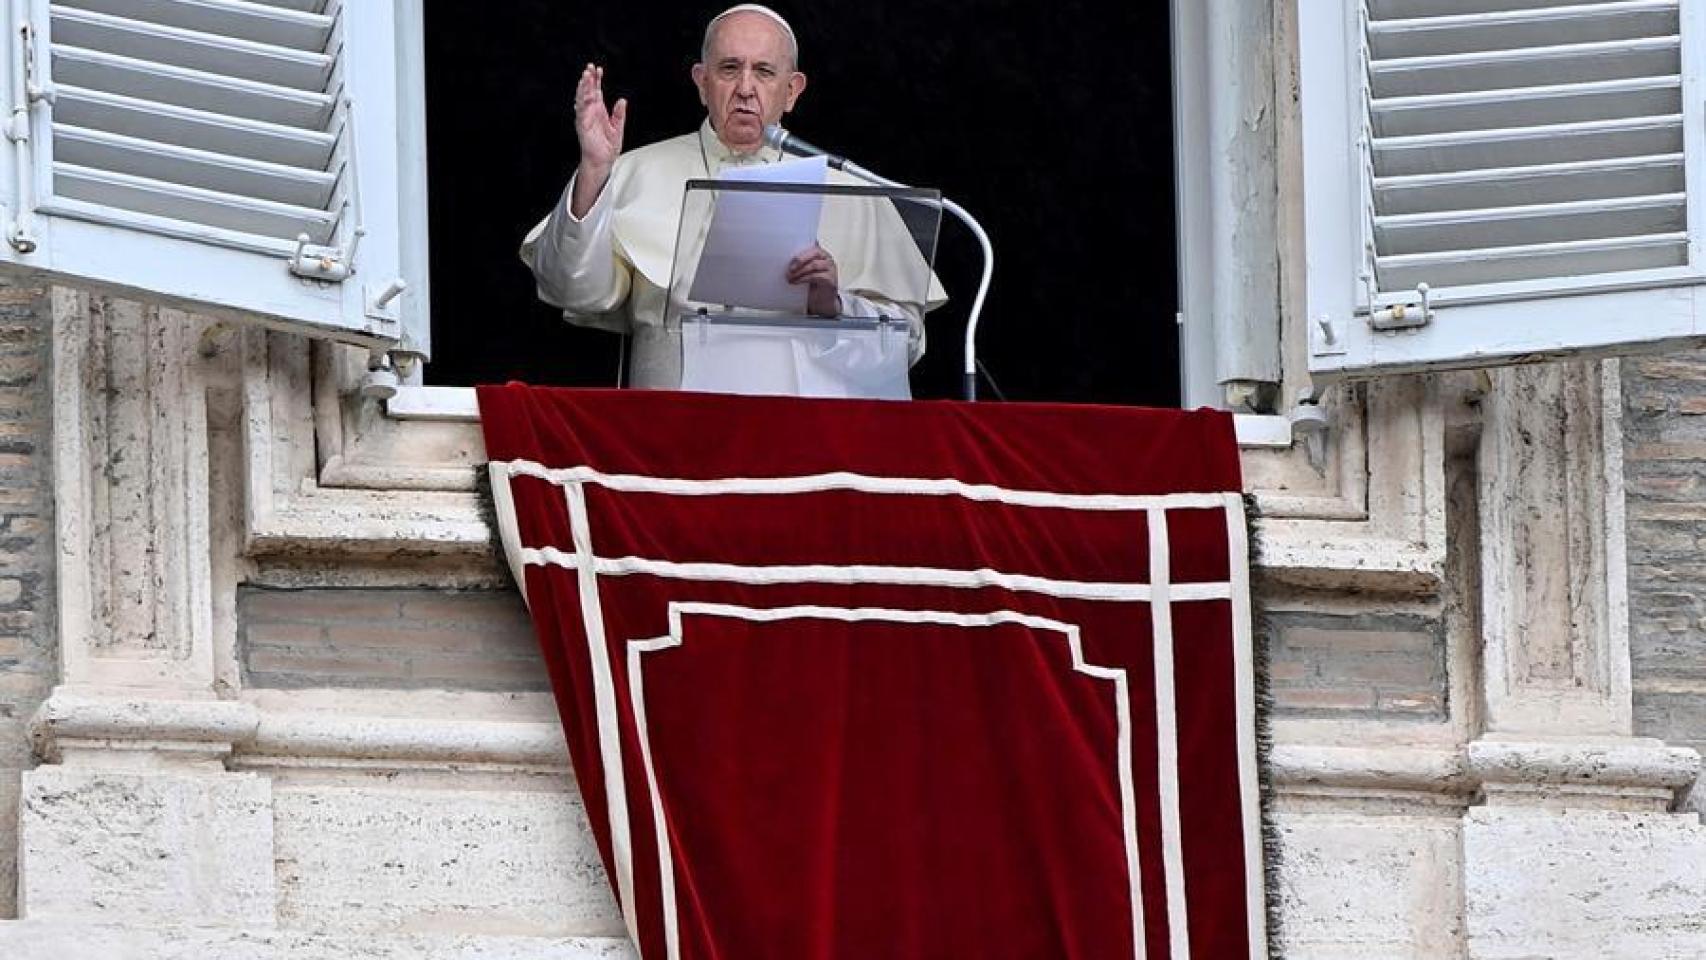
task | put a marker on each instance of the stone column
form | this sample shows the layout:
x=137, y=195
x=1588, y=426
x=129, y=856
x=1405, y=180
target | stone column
x=134, y=818
x=1574, y=850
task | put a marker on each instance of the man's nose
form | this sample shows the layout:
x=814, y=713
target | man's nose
x=748, y=85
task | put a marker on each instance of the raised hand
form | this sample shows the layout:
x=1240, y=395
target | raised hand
x=816, y=268
x=599, y=130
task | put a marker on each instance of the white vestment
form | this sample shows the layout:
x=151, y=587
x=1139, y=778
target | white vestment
x=611, y=269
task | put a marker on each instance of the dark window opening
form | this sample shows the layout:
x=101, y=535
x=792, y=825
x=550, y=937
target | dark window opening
x=1051, y=122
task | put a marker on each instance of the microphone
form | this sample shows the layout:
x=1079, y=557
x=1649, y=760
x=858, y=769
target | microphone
x=779, y=139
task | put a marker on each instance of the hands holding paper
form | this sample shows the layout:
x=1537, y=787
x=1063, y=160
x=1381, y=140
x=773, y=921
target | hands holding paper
x=816, y=268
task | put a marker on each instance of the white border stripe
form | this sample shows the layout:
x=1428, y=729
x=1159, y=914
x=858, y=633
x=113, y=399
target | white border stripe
x=1070, y=632
x=660, y=827
x=863, y=483
x=872, y=573
x=1167, y=737
x=1244, y=680
x=604, y=691
x=509, y=531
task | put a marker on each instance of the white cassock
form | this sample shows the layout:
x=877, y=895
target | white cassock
x=611, y=269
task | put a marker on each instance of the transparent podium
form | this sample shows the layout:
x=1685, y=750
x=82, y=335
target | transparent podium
x=744, y=328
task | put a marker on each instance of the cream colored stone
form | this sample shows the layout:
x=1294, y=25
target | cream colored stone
x=39, y=940
x=100, y=845
x=1584, y=885
x=1357, y=886
x=439, y=861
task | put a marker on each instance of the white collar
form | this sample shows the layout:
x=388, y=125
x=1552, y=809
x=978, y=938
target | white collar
x=718, y=155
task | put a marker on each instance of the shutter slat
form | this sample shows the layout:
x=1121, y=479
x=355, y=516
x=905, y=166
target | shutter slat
x=1446, y=231
x=1530, y=67
x=1415, y=9
x=161, y=83
x=206, y=52
x=1533, y=261
x=1470, y=150
x=1541, y=183
x=240, y=214
x=1518, y=29
x=256, y=22
x=197, y=129
x=300, y=6
x=101, y=150
x=1556, y=104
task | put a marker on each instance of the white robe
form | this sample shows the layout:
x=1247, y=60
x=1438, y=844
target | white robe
x=611, y=269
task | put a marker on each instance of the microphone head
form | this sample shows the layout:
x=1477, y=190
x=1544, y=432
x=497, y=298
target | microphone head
x=774, y=136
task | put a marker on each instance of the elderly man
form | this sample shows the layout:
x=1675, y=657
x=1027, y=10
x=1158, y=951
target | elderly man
x=604, y=254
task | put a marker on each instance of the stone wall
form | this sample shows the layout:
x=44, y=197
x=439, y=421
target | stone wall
x=1355, y=666
x=388, y=639
x=28, y=658
x=1665, y=478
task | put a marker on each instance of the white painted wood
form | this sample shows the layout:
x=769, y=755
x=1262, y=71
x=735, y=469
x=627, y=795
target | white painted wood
x=189, y=143
x=1536, y=164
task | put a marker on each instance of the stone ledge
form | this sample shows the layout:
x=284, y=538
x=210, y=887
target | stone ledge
x=293, y=736
x=1370, y=769
x=66, y=717
x=1634, y=769
x=43, y=940
x=1634, y=763
x=86, y=724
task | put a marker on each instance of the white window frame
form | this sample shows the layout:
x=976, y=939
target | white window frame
x=1194, y=147
x=1470, y=327
x=211, y=271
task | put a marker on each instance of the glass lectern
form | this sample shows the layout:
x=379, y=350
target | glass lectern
x=744, y=328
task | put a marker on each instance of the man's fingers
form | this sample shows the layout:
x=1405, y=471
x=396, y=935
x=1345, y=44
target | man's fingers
x=620, y=116
x=812, y=275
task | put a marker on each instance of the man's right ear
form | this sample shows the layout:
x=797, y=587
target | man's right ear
x=698, y=74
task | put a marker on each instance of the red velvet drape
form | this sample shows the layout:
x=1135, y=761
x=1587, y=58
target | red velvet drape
x=853, y=680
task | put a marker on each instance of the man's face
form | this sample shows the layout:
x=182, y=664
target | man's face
x=748, y=79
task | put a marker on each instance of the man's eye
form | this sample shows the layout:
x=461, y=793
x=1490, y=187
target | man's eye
x=767, y=73
x=728, y=70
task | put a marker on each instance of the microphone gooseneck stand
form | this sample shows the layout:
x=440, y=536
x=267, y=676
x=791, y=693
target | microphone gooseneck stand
x=782, y=140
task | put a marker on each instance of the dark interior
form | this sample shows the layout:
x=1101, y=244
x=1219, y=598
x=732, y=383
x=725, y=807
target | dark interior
x=1051, y=122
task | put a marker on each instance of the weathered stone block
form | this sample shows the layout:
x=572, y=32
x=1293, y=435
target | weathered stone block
x=1353, y=886
x=1580, y=884
x=155, y=848
x=440, y=861
x=36, y=940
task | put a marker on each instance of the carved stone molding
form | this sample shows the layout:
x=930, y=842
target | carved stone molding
x=131, y=479
x=1554, y=585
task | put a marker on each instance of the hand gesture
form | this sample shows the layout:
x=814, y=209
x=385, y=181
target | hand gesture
x=817, y=269
x=598, y=128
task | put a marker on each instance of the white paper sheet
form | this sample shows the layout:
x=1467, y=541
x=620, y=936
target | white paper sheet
x=752, y=237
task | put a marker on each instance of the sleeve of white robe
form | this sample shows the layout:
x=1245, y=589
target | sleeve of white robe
x=574, y=260
x=873, y=305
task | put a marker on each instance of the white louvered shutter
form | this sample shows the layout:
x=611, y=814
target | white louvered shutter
x=1489, y=180
x=238, y=156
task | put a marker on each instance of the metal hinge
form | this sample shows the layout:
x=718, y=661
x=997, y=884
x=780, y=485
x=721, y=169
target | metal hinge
x=27, y=92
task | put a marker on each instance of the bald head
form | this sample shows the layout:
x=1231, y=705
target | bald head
x=758, y=14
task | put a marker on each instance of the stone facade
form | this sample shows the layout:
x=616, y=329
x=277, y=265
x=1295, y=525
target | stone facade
x=28, y=655
x=1665, y=431
x=265, y=691
x=398, y=639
